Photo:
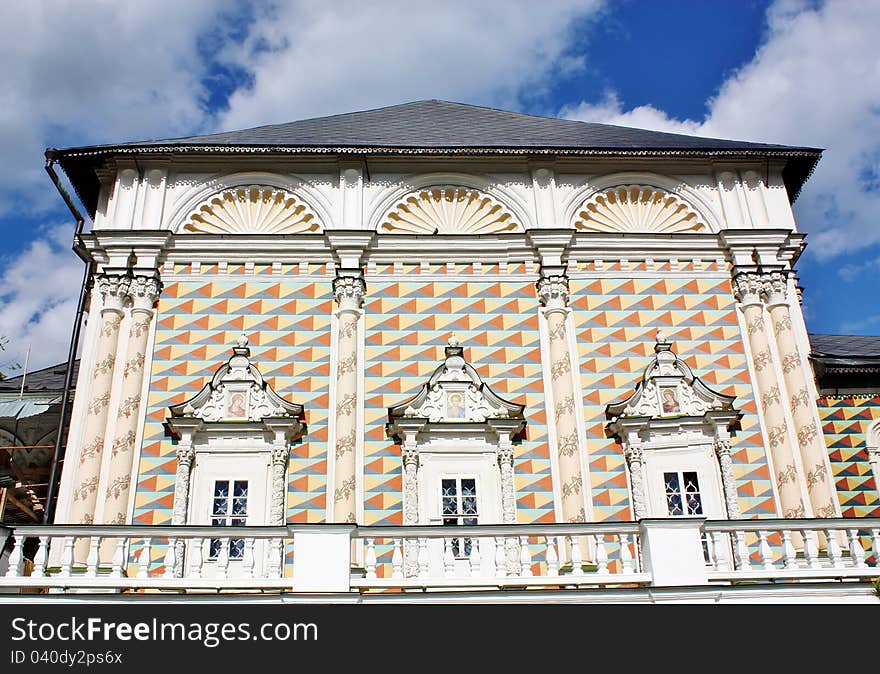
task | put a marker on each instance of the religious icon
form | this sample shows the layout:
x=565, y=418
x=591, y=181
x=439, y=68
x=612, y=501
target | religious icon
x=455, y=406
x=670, y=401
x=236, y=407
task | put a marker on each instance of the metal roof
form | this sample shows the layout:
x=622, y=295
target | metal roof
x=845, y=346
x=47, y=379
x=439, y=128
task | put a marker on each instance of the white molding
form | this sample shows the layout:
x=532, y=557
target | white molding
x=180, y=209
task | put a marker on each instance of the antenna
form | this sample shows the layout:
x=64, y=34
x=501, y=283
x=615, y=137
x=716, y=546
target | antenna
x=24, y=374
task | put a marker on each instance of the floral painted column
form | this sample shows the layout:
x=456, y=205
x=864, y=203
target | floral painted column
x=747, y=287
x=143, y=292
x=553, y=293
x=114, y=289
x=809, y=438
x=349, y=289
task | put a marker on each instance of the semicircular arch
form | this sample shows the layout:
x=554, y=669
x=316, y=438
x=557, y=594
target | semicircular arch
x=640, y=201
x=447, y=203
x=256, y=203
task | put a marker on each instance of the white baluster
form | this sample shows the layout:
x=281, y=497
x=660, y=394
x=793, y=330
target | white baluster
x=765, y=551
x=788, y=550
x=856, y=551
x=15, y=558
x=66, y=557
x=40, y=558
x=577, y=559
x=170, y=558
x=222, y=566
x=475, y=560
x=875, y=546
x=247, y=558
x=626, y=557
x=424, y=562
x=118, y=558
x=552, y=557
x=811, y=550
x=834, y=553
x=448, y=559
x=397, y=559
x=370, y=558
x=601, y=555
x=144, y=560
x=276, y=553
x=742, y=551
x=720, y=549
x=525, y=557
x=195, y=558
x=500, y=558
x=92, y=559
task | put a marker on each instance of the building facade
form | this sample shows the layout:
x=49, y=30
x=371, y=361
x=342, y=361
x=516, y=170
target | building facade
x=582, y=342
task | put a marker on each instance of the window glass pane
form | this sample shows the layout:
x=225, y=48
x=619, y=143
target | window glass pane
x=239, y=522
x=673, y=494
x=214, y=550
x=469, y=487
x=449, y=488
x=450, y=506
x=239, y=506
x=219, y=508
x=221, y=489
x=236, y=548
x=469, y=506
x=240, y=489
x=692, y=493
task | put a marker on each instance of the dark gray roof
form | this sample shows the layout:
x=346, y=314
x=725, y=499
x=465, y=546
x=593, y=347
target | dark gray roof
x=439, y=127
x=48, y=379
x=844, y=346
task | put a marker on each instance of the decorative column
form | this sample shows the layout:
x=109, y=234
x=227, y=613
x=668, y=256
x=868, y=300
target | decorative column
x=747, y=287
x=810, y=443
x=410, y=455
x=553, y=293
x=722, y=451
x=874, y=462
x=185, y=456
x=635, y=461
x=143, y=292
x=114, y=289
x=349, y=289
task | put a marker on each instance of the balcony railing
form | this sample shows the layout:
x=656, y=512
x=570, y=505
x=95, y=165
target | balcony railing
x=350, y=559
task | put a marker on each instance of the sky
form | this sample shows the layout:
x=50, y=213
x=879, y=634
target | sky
x=797, y=72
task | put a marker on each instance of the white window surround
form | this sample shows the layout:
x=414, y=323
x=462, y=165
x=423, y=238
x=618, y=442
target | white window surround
x=872, y=443
x=235, y=428
x=456, y=427
x=673, y=422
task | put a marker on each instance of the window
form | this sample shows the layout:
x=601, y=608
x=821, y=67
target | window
x=229, y=508
x=459, y=507
x=683, y=494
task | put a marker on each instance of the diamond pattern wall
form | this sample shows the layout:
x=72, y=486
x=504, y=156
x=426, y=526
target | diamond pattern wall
x=616, y=321
x=845, y=424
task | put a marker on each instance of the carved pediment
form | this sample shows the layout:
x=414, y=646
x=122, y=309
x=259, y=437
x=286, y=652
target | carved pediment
x=253, y=209
x=669, y=389
x=449, y=210
x=638, y=208
x=456, y=394
x=237, y=393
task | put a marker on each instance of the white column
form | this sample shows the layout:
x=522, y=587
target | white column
x=747, y=287
x=635, y=462
x=114, y=289
x=410, y=455
x=810, y=442
x=143, y=293
x=349, y=289
x=553, y=293
x=722, y=451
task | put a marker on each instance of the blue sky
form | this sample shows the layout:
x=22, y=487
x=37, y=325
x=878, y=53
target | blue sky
x=797, y=72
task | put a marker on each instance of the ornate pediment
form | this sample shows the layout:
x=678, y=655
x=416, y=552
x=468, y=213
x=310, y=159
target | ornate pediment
x=637, y=208
x=449, y=210
x=455, y=394
x=669, y=389
x=253, y=209
x=237, y=393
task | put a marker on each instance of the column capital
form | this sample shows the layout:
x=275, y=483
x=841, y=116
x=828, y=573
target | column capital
x=114, y=289
x=553, y=287
x=633, y=454
x=349, y=289
x=144, y=291
x=775, y=287
x=722, y=446
x=410, y=455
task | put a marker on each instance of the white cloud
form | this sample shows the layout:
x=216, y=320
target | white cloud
x=312, y=59
x=82, y=73
x=38, y=300
x=816, y=82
